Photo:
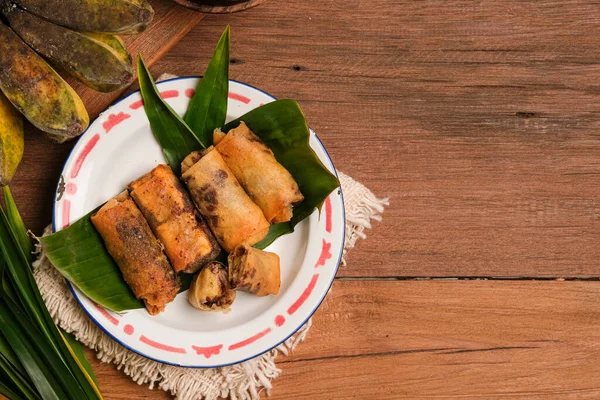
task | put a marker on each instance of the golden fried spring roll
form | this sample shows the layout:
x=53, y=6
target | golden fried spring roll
x=173, y=218
x=137, y=252
x=210, y=290
x=231, y=215
x=266, y=181
x=254, y=270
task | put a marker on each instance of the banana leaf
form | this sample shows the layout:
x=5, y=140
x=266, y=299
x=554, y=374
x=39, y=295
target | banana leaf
x=282, y=126
x=208, y=107
x=172, y=133
x=80, y=256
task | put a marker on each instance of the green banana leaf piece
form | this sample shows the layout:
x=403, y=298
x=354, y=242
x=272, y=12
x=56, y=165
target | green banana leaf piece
x=208, y=107
x=172, y=133
x=282, y=126
x=78, y=253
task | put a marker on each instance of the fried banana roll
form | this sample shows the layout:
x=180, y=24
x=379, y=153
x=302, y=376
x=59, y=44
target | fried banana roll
x=253, y=270
x=265, y=180
x=210, y=290
x=137, y=252
x=231, y=215
x=163, y=200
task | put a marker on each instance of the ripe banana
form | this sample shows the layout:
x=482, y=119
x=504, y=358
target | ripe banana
x=114, y=42
x=37, y=91
x=92, y=61
x=108, y=16
x=11, y=140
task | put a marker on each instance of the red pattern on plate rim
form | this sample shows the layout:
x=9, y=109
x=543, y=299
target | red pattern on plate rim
x=136, y=104
x=169, y=94
x=190, y=92
x=328, y=223
x=114, y=120
x=250, y=340
x=70, y=188
x=304, y=296
x=89, y=146
x=66, y=214
x=238, y=97
x=106, y=315
x=128, y=329
x=279, y=320
x=325, y=254
x=162, y=346
x=207, y=352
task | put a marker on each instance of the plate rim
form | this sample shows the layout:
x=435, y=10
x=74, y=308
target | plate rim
x=295, y=330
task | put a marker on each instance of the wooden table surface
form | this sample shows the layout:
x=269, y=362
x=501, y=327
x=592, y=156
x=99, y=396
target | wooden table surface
x=481, y=121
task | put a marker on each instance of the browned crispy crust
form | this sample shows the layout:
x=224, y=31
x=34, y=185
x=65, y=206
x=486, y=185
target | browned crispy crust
x=230, y=213
x=265, y=180
x=254, y=270
x=137, y=252
x=210, y=289
x=163, y=200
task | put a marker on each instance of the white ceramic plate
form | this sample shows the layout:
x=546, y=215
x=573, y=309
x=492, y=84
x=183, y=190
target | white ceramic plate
x=119, y=147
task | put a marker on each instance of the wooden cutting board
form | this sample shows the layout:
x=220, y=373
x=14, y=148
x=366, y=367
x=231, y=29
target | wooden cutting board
x=171, y=23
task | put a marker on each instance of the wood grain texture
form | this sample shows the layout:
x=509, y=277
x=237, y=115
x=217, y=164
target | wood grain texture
x=171, y=22
x=451, y=339
x=478, y=118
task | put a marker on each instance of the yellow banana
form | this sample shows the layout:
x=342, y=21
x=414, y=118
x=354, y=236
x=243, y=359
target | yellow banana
x=11, y=140
x=108, y=16
x=37, y=91
x=92, y=61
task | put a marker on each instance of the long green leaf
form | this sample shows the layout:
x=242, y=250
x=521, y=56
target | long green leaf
x=65, y=374
x=9, y=356
x=22, y=279
x=79, y=355
x=19, y=380
x=78, y=253
x=41, y=375
x=282, y=126
x=17, y=224
x=26, y=289
x=8, y=390
x=174, y=136
x=208, y=107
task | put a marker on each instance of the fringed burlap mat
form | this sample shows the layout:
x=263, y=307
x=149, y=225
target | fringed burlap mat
x=241, y=381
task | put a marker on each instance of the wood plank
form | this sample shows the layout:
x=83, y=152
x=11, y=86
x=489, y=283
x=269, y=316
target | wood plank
x=478, y=119
x=448, y=339
x=171, y=22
